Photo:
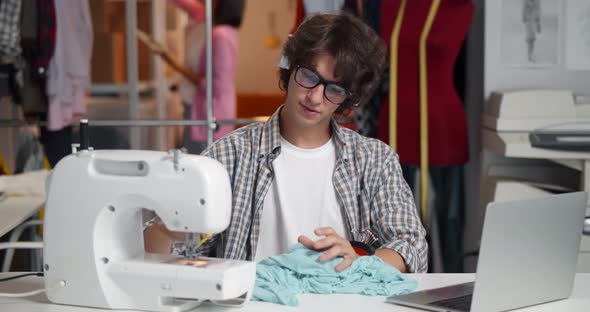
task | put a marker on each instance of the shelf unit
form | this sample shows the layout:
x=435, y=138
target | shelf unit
x=129, y=92
x=159, y=82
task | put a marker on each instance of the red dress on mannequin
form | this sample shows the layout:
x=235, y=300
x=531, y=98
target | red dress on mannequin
x=447, y=129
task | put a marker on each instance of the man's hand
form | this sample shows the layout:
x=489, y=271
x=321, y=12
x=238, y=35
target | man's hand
x=333, y=244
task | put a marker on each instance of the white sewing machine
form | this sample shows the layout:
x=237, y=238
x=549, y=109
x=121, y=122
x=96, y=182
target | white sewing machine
x=93, y=234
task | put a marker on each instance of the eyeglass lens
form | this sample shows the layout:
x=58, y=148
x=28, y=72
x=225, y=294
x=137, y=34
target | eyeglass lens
x=309, y=79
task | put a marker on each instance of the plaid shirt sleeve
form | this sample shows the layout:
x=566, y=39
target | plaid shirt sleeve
x=222, y=151
x=398, y=224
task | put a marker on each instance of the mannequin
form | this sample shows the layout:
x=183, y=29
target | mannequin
x=447, y=130
x=446, y=141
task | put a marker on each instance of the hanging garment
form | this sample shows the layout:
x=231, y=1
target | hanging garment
x=57, y=144
x=46, y=40
x=5, y=90
x=9, y=29
x=29, y=156
x=447, y=128
x=9, y=83
x=322, y=6
x=449, y=204
x=372, y=14
x=29, y=28
x=280, y=278
x=306, y=8
x=69, y=69
x=366, y=116
x=20, y=75
x=224, y=43
x=34, y=100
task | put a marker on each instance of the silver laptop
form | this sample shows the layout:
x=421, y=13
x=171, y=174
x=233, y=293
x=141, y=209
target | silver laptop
x=528, y=256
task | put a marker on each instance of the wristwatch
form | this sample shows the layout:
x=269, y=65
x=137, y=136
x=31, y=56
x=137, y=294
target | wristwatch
x=362, y=249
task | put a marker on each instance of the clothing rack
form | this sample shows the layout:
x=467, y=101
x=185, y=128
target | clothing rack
x=158, y=26
x=148, y=123
x=136, y=123
x=158, y=83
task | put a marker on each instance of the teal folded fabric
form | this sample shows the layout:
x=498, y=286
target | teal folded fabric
x=280, y=279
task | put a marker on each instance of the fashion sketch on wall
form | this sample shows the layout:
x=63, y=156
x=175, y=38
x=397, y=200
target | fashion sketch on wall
x=530, y=32
x=577, y=38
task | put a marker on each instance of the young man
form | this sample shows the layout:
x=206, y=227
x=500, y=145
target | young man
x=301, y=174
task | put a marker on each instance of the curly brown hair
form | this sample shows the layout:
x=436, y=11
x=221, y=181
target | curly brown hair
x=359, y=53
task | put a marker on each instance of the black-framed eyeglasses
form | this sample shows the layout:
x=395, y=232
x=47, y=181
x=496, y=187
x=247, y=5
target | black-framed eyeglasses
x=309, y=79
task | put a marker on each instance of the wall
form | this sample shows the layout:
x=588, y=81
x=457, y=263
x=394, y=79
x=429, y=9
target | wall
x=501, y=77
x=257, y=64
x=474, y=101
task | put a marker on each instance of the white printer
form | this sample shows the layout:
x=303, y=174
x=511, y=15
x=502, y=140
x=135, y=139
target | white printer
x=531, y=119
x=527, y=128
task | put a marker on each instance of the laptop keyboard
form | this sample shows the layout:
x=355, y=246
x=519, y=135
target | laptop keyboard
x=462, y=303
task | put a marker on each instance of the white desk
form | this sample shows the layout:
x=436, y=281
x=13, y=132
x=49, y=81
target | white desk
x=578, y=301
x=14, y=210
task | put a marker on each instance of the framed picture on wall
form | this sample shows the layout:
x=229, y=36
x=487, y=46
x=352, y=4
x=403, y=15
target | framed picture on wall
x=530, y=33
x=577, y=38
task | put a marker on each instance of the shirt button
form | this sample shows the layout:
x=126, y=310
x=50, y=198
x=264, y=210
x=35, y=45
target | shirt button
x=269, y=175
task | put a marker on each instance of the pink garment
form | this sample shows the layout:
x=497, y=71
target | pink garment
x=68, y=75
x=225, y=56
x=194, y=8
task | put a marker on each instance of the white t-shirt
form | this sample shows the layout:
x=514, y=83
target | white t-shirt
x=300, y=199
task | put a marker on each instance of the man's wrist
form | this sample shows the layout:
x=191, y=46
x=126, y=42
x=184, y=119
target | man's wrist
x=393, y=258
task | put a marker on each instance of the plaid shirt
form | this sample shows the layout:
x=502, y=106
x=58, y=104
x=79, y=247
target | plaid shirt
x=367, y=179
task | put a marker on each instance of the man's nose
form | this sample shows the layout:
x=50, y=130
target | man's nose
x=316, y=95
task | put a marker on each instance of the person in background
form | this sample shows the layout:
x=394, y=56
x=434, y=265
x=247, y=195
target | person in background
x=227, y=18
x=301, y=177
x=194, y=41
